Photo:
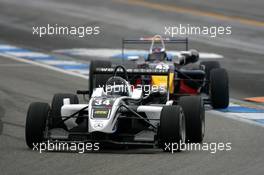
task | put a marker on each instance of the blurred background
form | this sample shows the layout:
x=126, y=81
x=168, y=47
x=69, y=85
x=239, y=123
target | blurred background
x=242, y=50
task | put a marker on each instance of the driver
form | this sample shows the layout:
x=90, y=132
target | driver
x=117, y=86
x=157, y=54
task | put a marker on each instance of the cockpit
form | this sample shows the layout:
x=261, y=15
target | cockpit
x=117, y=86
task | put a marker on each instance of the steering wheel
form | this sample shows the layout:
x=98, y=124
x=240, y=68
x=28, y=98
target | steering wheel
x=124, y=71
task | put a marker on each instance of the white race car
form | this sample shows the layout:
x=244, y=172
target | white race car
x=116, y=114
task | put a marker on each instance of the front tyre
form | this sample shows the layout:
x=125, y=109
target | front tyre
x=194, y=111
x=56, y=104
x=172, y=127
x=36, y=123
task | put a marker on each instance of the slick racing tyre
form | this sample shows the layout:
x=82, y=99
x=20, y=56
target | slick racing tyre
x=172, y=127
x=36, y=122
x=194, y=111
x=56, y=104
x=97, y=80
x=219, y=88
x=209, y=66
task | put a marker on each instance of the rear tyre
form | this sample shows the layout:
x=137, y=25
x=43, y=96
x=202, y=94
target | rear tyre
x=56, y=104
x=219, y=88
x=193, y=108
x=172, y=127
x=97, y=80
x=36, y=123
x=209, y=66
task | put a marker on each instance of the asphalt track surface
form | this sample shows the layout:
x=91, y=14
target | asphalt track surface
x=23, y=83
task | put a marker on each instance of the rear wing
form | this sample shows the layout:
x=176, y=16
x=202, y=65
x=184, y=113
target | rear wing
x=155, y=39
x=149, y=41
x=133, y=71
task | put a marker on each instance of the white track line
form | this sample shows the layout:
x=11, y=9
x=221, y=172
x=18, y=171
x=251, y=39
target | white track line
x=6, y=47
x=44, y=66
x=60, y=62
x=27, y=54
x=236, y=118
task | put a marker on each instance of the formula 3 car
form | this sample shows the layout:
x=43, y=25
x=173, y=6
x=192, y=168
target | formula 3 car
x=116, y=114
x=187, y=77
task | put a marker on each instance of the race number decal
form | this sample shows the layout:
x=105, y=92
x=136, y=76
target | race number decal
x=103, y=102
x=100, y=102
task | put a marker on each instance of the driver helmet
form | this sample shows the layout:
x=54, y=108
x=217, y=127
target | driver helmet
x=158, y=53
x=117, y=86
